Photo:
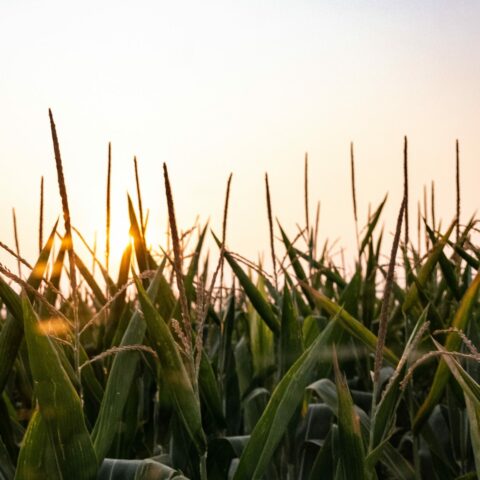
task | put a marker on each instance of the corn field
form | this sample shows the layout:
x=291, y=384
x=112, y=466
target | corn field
x=176, y=369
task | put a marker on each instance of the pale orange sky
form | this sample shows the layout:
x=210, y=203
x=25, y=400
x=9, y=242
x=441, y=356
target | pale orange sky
x=243, y=87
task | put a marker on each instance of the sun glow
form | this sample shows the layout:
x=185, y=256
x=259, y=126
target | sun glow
x=120, y=240
x=56, y=326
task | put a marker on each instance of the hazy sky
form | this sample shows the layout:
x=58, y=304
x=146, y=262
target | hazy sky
x=243, y=87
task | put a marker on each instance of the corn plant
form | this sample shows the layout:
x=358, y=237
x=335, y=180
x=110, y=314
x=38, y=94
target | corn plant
x=173, y=369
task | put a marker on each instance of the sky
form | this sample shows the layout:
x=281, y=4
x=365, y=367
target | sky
x=245, y=87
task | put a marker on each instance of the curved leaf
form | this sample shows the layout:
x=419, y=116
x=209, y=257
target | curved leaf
x=59, y=405
x=452, y=343
x=352, y=325
x=119, y=380
x=173, y=370
x=118, y=469
x=284, y=401
x=257, y=299
x=352, y=452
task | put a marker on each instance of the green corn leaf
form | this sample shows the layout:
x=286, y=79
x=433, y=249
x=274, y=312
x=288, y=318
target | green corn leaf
x=7, y=470
x=10, y=339
x=310, y=330
x=92, y=283
x=329, y=273
x=60, y=406
x=290, y=335
x=385, y=413
x=411, y=299
x=352, y=453
x=118, y=469
x=12, y=301
x=469, y=386
x=110, y=284
x=119, y=380
x=55, y=276
x=40, y=266
x=371, y=226
x=226, y=341
x=352, y=325
x=325, y=462
x=350, y=295
x=452, y=343
x=166, y=301
x=472, y=261
x=398, y=466
x=257, y=299
x=262, y=345
x=448, y=269
x=243, y=359
x=193, y=267
x=282, y=405
x=141, y=252
x=368, y=288
x=7, y=294
x=297, y=266
x=89, y=380
x=209, y=392
x=174, y=372
x=10, y=431
x=473, y=409
x=37, y=460
x=244, y=373
x=221, y=452
x=11, y=334
x=471, y=391
x=297, y=297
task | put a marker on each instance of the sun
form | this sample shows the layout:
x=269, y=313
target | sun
x=120, y=239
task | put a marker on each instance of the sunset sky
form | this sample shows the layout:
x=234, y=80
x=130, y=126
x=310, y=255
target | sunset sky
x=244, y=87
